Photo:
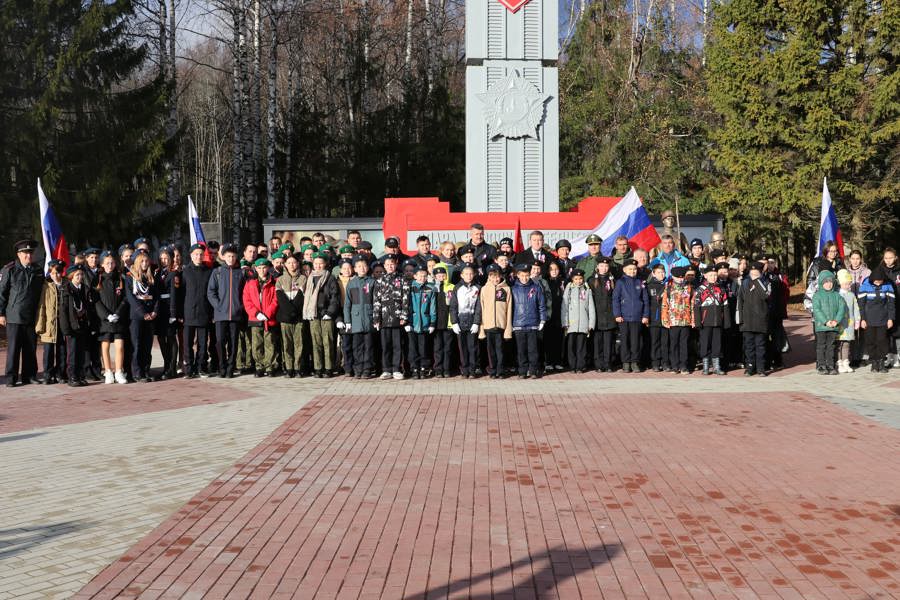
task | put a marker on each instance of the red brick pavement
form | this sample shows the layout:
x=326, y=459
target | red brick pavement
x=616, y=496
x=33, y=406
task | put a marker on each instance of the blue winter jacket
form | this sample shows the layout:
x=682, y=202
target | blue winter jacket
x=630, y=299
x=876, y=303
x=529, y=309
x=422, y=306
x=225, y=291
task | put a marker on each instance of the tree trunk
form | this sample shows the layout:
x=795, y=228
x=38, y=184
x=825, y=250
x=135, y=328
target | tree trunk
x=237, y=167
x=270, y=115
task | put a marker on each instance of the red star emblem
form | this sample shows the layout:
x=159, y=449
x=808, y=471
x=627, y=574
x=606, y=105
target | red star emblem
x=513, y=5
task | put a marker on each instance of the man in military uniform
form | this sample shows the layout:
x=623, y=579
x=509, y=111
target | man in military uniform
x=21, y=283
x=588, y=264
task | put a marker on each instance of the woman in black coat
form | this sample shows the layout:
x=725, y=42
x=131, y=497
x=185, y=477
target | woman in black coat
x=143, y=300
x=828, y=261
x=112, y=311
x=74, y=323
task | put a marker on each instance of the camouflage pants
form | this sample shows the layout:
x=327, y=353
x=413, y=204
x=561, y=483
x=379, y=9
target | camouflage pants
x=292, y=345
x=262, y=348
x=244, y=354
x=322, y=344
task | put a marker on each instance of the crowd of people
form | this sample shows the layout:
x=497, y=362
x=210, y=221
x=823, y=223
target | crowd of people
x=330, y=308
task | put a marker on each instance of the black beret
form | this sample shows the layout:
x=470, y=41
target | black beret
x=722, y=265
x=392, y=242
x=709, y=269
x=679, y=271
x=629, y=262
x=439, y=270
x=359, y=258
x=523, y=267
x=493, y=268
x=56, y=263
x=578, y=272
x=364, y=245
x=605, y=260
x=467, y=249
x=756, y=266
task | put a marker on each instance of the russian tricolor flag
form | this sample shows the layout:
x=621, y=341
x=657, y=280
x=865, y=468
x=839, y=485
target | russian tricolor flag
x=55, y=245
x=629, y=218
x=194, y=224
x=829, y=230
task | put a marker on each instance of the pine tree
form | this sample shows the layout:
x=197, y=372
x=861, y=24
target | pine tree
x=806, y=89
x=77, y=111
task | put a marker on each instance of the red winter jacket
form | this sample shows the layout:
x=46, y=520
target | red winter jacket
x=256, y=302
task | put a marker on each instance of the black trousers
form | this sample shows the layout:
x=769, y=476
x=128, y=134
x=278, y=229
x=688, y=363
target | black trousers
x=630, y=341
x=528, y=352
x=468, y=352
x=678, y=347
x=194, y=362
x=21, y=349
x=75, y=356
x=363, y=352
x=553, y=343
x=168, y=347
x=576, y=350
x=92, y=352
x=710, y=342
x=826, y=349
x=659, y=346
x=877, y=343
x=142, y=341
x=347, y=352
x=604, y=345
x=55, y=358
x=755, y=351
x=391, y=349
x=443, y=350
x=226, y=345
x=419, y=346
x=495, y=340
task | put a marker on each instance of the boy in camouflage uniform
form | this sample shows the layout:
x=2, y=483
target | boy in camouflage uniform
x=390, y=312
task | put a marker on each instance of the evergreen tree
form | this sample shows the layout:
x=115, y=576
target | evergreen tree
x=806, y=89
x=76, y=111
x=625, y=122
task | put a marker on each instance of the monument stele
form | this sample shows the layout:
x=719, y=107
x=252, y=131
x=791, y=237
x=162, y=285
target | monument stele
x=512, y=106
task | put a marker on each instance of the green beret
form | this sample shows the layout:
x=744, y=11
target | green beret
x=306, y=247
x=287, y=246
x=346, y=249
x=321, y=255
x=262, y=262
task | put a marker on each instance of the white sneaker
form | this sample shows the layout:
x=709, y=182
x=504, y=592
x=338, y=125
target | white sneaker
x=108, y=377
x=896, y=362
x=398, y=375
x=385, y=375
x=559, y=367
x=120, y=377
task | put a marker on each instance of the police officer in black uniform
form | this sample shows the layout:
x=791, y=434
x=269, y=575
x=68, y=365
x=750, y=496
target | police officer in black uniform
x=21, y=283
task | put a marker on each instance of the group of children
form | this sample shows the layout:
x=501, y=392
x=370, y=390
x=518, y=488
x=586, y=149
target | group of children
x=327, y=310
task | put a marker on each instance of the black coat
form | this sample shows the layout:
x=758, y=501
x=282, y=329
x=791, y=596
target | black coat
x=140, y=307
x=753, y=306
x=75, y=308
x=109, y=299
x=655, y=289
x=289, y=311
x=20, y=293
x=527, y=256
x=197, y=309
x=602, y=287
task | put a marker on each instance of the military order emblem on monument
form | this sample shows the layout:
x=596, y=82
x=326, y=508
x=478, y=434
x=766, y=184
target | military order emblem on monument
x=514, y=107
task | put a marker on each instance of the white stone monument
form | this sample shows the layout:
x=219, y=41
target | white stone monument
x=512, y=106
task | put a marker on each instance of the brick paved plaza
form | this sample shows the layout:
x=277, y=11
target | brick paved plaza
x=593, y=486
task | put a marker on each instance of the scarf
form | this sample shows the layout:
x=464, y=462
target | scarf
x=314, y=283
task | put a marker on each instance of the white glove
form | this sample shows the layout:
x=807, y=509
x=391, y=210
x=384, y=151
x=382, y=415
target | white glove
x=339, y=325
x=377, y=326
x=455, y=328
x=326, y=318
x=172, y=320
x=346, y=327
x=473, y=329
x=261, y=317
x=112, y=318
x=541, y=326
x=407, y=328
x=431, y=330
